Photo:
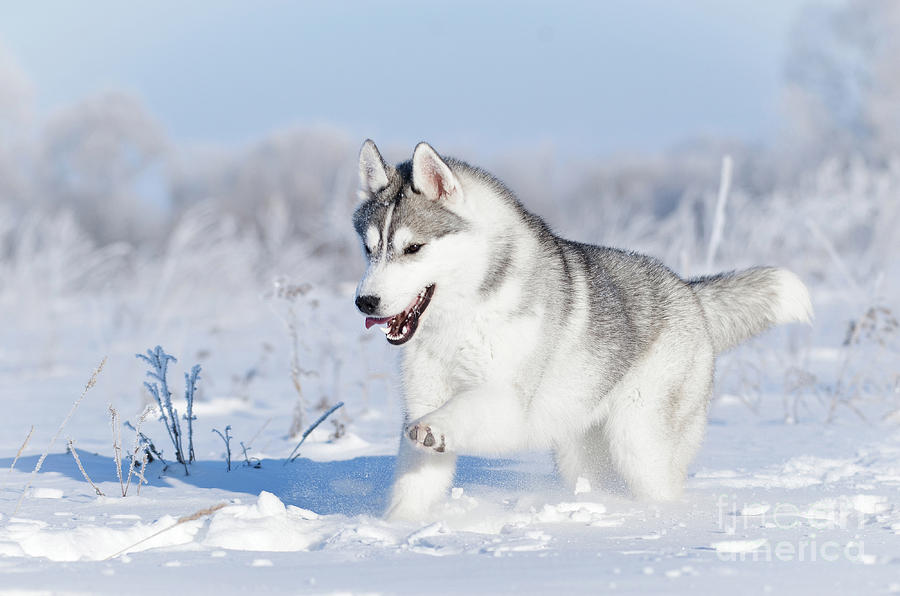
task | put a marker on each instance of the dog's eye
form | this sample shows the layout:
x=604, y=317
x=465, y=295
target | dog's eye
x=412, y=249
x=367, y=249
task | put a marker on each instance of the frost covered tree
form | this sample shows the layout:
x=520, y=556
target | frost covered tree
x=15, y=119
x=103, y=159
x=296, y=183
x=843, y=80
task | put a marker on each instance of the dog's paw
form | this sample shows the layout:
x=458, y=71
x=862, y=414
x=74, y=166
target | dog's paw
x=426, y=436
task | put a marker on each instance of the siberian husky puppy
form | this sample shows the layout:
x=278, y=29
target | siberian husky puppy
x=514, y=338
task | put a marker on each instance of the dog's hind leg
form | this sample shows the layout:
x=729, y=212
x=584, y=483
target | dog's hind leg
x=656, y=430
x=690, y=416
x=421, y=479
x=656, y=416
x=641, y=449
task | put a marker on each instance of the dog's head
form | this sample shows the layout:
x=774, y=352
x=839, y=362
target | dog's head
x=416, y=236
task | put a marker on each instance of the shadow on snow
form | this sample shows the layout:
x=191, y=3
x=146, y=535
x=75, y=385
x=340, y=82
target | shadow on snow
x=349, y=487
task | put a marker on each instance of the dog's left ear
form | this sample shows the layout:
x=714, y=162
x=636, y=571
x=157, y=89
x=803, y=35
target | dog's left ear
x=373, y=173
x=431, y=176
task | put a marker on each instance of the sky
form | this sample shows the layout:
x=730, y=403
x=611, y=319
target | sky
x=586, y=78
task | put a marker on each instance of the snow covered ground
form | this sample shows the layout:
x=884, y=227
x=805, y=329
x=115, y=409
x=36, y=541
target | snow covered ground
x=770, y=505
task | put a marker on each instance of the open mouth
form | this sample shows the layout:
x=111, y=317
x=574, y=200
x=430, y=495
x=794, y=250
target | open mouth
x=400, y=328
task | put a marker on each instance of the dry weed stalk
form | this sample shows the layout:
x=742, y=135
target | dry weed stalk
x=81, y=468
x=877, y=325
x=12, y=466
x=181, y=520
x=258, y=432
x=135, y=449
x=117, y=448
x=37, y=467
x=797, y=382
x=294, y=454
x=21, y=449
x=290, y=293
x=142, y=480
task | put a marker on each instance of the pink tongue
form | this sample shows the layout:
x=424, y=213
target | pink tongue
x=374, y=321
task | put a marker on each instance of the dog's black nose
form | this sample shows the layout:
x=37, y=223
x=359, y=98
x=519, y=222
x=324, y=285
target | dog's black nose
x=367, y=304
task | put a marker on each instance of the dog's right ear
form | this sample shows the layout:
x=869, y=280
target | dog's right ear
x=431, y=175
x=372, y=170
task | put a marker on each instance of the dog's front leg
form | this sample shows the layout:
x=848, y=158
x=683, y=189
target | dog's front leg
x=489, y=420
x=421, y=480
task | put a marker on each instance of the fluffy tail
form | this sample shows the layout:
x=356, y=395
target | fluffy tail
x=738, y=305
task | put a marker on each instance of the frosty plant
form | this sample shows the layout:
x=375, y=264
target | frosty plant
x=226, y=438
x=137, y=458
x=862, y=369
x=294, y=455
x=158, y=361
x=291, y=294
x=250, y=462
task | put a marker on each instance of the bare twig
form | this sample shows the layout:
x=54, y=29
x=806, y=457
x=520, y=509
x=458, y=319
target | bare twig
x=81, y=468
x=181, y=520
x=321, y=419
x=37, y=468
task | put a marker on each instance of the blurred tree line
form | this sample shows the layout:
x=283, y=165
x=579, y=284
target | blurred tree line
x=108, y=163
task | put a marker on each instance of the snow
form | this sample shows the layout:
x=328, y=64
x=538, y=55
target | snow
x=47, y=493
x=739, y=546
x=582, y=485
x=798, y=505
x=778, y=498
x=769, y=505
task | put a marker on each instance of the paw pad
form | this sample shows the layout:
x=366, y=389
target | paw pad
x=425, y=437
